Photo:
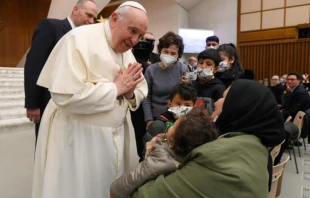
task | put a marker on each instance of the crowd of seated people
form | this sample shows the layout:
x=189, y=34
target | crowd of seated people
x=190, y=152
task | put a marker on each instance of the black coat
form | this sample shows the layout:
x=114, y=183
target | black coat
x=277, y=92
x=45, y=37
x=298, y=100
x=229, y=77
x=212, y=89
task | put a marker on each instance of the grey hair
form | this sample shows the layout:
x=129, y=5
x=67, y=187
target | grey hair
x=122, y=11
x=81, y=2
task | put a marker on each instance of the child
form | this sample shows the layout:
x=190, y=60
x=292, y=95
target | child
x=188, y=132
x=207, y=86
x=230, y=67
x=182, y=100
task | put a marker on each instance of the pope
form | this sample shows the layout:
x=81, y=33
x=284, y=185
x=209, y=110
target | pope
x=93, y=79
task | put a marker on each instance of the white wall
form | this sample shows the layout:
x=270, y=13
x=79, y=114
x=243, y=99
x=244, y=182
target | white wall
x=183, y=17
x=163, y=17
x=217, y=15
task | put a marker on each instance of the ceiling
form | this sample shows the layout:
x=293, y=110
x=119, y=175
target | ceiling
x=188, y=4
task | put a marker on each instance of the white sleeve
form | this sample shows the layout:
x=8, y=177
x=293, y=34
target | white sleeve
x=96, y=99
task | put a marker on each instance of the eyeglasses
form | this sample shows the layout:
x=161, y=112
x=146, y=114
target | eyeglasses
x=290, y=79
x=274, y=79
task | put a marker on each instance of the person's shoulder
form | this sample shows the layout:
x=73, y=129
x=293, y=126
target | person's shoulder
x=301, y=90
x=152, y=67
x=183, y=66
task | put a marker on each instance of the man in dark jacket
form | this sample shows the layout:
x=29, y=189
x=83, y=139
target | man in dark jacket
x=45, y=37
x=276, y=88
x=298, y=98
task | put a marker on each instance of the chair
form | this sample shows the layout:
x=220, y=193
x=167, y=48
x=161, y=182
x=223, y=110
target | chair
x=275, y=151
x=280, y=169
x=274, y=185
x=290, y=143
x=299, y=121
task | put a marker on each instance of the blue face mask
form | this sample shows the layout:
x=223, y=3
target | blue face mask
x=281, y=81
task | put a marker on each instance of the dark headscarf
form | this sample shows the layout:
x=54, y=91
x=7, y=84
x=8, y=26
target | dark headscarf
x=251, y=108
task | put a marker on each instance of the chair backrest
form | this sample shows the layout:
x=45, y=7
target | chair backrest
x=275, y=151
x=299, y=120
x=288, y=119
x=280, y=169
x=274, y=185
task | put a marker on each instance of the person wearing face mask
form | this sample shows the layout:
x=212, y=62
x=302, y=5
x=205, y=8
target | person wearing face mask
x=230, y=69
x=207, y=85
x=212, y=42
x=166, y=152
x=163, y=76
x=235, y=164
x=182, y=99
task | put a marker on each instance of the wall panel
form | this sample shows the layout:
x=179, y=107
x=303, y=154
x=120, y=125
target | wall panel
x=278, y=58
x=21, y=17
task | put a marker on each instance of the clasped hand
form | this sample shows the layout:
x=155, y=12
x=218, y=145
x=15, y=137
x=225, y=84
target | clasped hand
x=127, y=80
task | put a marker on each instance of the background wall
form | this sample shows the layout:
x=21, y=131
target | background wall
x=21, y=18
x=268, y=36
x=217, y=15
x=163, y=17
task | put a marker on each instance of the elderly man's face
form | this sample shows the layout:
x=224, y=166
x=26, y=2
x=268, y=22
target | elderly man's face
x=275, y=80
x=128, y=29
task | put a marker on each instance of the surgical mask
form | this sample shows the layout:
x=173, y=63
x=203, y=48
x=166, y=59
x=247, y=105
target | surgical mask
x=223, y=66
x=167, y=60
x=179, y=111
x=204, y=74
x=211, y=47
x=281, y=81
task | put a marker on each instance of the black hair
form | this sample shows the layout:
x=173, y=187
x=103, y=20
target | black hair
x=213, y=38
x=249, y=74
x=170, y=38
x=231, y=50
x=186, y=92
x=212, y=54
x=298, y=76
x=193, y=131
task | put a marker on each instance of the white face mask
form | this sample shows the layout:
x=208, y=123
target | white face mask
x=223, y=66
x=204, y=74
x=211, y=47
x=179, y=111
x=167, y=60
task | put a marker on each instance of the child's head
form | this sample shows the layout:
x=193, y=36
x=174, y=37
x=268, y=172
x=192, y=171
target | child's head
x=229, y=54
x=209, y=58
x=191, y=131
x=182, y=95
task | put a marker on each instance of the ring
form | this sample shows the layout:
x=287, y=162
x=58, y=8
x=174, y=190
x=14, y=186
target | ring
x=134, y=78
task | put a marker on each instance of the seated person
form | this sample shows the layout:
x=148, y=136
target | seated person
x=297, y=97
x=207, y=85
x=182, y=99
x=189, y=132
x=277, y=89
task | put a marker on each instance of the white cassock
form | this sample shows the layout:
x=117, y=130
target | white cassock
x=80, y=148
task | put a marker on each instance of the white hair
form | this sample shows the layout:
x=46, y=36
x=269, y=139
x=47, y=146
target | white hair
x=122, y=11
x=81, y=2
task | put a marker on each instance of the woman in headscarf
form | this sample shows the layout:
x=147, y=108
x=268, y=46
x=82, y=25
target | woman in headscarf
x=234, y=165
